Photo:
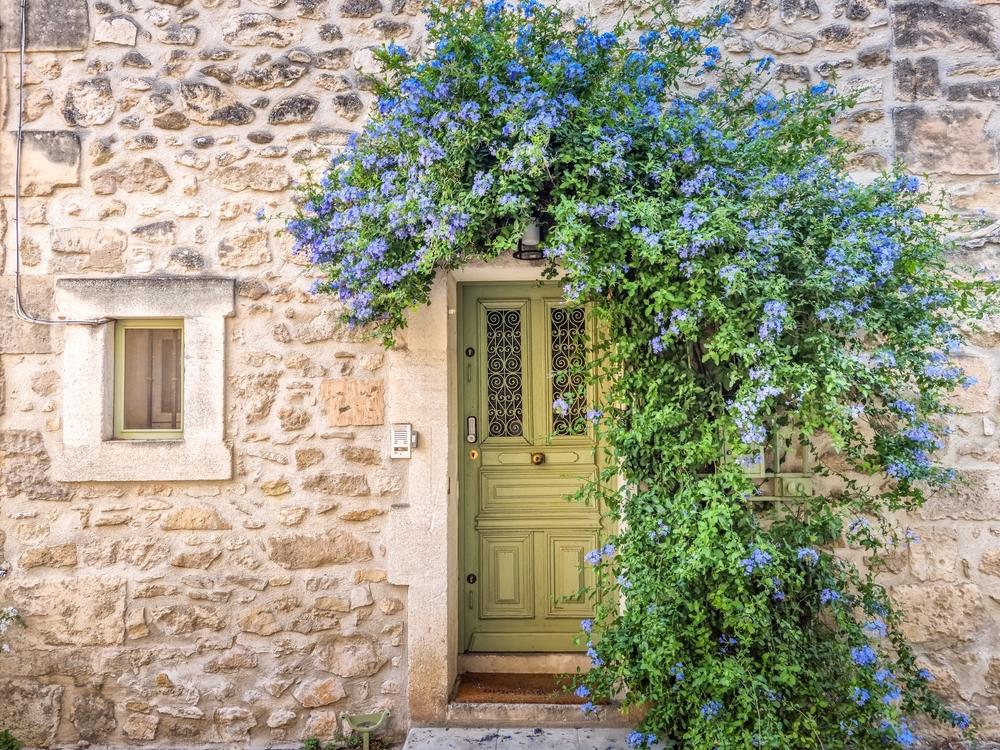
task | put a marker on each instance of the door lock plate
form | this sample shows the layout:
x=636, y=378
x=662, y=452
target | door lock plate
x=471, y=578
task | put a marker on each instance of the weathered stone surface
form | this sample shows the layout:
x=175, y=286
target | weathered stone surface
x=75, y=250
x=361, y=455
x=234, y=660
x=135, y=553
x=210, y=105
x=338, y=58
x=360, y=8
x=330, y=32
x=233, y=724
x=390, y=29
x=179, y=619
x=274, y=74
x=256, y=393
x=922, y=24
x=839, y=37
x=918, y=79
x=323, y=725
x=941, y=612
x=178, y=34
x=983, y=91
x=144, y=176
x=172, y=120
x=93, y=717
x=31, y=711
x=320, y=692
x=120, y=30
x=335, y=547
x=935, y=557
x=946, y=139
x=268, y=618
x=194, y=518
x=973, y=497
x=253, y=176
x=245, y=246
x=337, y=483
x=293, y=419
x=306, y=457
x=25, y=465
x=312, y=9
x=89, y=102
x=294, y=109
x=351, y=656
x=990, y=564
x=55, y=556
x=782, y=43
x=200, y=559
x=349, y=106
x=72, y=611
x=140, y=727
x=49, y=159
x=157, y=232
x=260, y=29
x=52, y=25
x=280, y=717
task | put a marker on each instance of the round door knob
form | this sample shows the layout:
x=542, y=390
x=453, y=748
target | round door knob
x=538, y=459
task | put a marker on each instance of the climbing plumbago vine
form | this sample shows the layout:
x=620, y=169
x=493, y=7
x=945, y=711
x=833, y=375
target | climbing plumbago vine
x=746, y=288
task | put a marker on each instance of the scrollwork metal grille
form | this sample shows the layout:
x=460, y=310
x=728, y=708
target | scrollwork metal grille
x=504, y=377
x=568, y=362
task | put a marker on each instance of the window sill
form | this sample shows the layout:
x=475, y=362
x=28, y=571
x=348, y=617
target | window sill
x=144, y=460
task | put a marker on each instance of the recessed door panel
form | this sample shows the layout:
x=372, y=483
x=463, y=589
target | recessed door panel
x=507, y=584
x=568, y=574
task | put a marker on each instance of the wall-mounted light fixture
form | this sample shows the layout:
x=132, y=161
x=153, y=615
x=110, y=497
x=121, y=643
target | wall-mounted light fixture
x=527, y=246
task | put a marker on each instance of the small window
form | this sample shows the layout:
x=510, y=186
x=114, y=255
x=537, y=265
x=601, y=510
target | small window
x=149, y=384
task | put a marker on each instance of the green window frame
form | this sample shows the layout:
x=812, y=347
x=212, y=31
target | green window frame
x=119, y=431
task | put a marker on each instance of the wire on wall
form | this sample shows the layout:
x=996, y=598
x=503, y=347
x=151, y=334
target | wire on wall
x=18, y=305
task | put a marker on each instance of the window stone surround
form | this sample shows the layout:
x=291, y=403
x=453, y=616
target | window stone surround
x=88, y=451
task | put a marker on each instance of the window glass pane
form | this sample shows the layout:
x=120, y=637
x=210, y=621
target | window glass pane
x=568, y=351
x=505, y=407
x=152, y=379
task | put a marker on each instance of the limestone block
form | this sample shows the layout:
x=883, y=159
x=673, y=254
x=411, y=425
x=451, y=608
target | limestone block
x=210, y=105
x=320, y=692
x=120, y=30
x=140, y=727
x=260, y=29
x=941, y=612
x=180, y=619
x=262, y=176
x=953, y=140
x=55, y=556
x=274, y=74
x=156, y=233
x=245, y=246
x=360, y=8
x=144, y=176
x=337, y=484
x=338, y=58
x=792, y=10
x=49, y=159
x=135, y=553
x=351, y=656
x=51, y=25
x=297, y=551
x=194, y=518
x=89, y=102
x=200, y=559
x=306, y=457
x=234, y=660
x=782, y=44
x=349, y=106
x=976, y=398
x=322, y=724
x=31, y=711
x=922, y=24
x=77, y=611
x=280, y=717
x=293, y=110
x=293, y=418
x=990, y=564
x=352, y=401
x=233, y=724
x=93, y=717
x=80, y=249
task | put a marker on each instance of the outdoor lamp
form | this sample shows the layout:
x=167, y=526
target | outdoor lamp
x=527, y=246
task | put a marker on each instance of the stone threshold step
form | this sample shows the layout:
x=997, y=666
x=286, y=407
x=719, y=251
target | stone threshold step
x=499, y=738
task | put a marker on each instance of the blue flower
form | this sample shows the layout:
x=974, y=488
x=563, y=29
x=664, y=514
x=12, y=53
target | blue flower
x=588, y=708
x=260, y=214
x=876, y=628
x=586, y=625
x=560, y=406
x=864, y=656
x=960, y=720
x=808, y=555
x=394, y=50
x=582, y=691
x=594, y=415
x=711, y=710
x=677, y=672
x=829, y=596
x=860, y=696
x=757, y=559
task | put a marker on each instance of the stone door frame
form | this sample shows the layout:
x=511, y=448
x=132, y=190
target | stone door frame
x=422, y=538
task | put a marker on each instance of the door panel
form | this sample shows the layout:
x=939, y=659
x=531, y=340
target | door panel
x=522, y=541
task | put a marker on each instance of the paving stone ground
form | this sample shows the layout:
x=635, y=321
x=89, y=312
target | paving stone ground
x=493, y=738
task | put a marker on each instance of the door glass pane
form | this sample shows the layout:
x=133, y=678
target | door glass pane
x=504, y=399
x=152, y=379
x=568, y=362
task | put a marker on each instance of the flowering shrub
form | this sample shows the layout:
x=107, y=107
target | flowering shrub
x=8, y=616
x=747, y=286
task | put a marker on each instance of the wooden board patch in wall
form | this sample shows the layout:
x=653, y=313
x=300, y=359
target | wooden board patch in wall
x=351, y=402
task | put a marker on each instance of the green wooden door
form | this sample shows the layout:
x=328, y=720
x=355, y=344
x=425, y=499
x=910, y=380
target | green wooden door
x=523, y=543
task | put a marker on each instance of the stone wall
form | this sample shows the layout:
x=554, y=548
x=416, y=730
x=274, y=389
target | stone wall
x=259, y=608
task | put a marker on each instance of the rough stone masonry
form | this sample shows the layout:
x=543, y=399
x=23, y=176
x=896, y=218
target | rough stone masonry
x=259, y=608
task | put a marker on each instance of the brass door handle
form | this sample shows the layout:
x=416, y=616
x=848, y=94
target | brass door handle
x=538, y=459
